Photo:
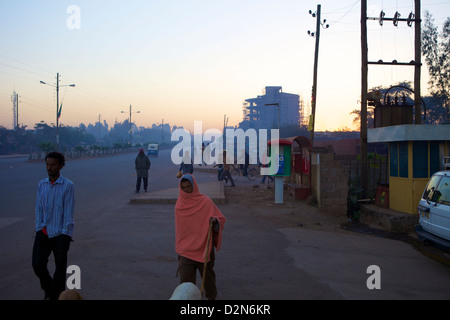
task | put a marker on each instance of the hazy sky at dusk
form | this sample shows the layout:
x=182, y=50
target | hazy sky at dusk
x=187, y=60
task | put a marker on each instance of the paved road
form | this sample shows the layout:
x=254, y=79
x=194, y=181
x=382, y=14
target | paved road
x=125, y=251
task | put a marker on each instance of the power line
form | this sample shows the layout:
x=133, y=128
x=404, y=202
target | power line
x=25, y=64
x=97, y=96
x=21, y=69
x=345, y=14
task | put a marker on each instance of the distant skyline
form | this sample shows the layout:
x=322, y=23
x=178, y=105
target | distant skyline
x=188, y=60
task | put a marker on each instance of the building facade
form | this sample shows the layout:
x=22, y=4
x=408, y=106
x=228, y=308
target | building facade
x=272, y=110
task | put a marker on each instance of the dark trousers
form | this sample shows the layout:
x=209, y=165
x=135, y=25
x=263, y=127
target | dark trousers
x=227, y=176
x=138, y=183
x=43, y=246
x=187, y=269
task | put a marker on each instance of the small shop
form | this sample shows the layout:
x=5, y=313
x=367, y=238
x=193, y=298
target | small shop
x=416, y=152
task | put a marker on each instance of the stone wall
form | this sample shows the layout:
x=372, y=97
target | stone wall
x=329, y=181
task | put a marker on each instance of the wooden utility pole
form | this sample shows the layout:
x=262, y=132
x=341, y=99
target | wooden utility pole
x=364, y=62
x=314, y=88
x=364, y=67
x=418, y=63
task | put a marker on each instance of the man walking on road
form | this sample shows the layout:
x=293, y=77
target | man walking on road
x=226, y=174
x=142, y=165
x=54, y=225
x=194, y=212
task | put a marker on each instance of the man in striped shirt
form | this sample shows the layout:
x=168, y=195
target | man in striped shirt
x=53, y=225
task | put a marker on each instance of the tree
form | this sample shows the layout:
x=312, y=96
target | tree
x=436, y=49
x=46, y=146
x=357, y=117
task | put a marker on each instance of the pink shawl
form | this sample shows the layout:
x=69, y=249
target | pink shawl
x=192, y=214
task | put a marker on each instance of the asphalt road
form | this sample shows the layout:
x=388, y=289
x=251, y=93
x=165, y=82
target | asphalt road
x=126, y=251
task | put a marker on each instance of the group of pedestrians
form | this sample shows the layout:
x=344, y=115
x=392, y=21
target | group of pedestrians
x=198, y=226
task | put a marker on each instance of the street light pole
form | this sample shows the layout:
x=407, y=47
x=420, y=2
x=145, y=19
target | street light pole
x=58, y=108
x=130, y=120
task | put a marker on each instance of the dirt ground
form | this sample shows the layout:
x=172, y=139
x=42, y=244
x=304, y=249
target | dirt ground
x=259, y=199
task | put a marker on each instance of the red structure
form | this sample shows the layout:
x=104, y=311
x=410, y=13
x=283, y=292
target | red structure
x=299, y=184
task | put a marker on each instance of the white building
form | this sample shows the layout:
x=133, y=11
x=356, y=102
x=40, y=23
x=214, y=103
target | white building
x=272, y=110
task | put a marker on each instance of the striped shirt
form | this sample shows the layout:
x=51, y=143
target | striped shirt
x=55, y=206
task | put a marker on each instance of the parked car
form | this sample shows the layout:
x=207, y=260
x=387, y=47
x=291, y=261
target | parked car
x=434, y=211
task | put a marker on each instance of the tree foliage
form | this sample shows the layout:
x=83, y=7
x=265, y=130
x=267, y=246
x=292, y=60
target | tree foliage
x=436, y=50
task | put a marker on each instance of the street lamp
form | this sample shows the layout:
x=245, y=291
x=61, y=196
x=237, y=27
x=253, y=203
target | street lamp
x=58, y=108
x=130, y=120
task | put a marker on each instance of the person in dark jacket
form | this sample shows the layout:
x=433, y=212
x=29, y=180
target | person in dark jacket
x=142, y=165
x=186, y=165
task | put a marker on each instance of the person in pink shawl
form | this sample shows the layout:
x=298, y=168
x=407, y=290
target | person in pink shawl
x=193, y=213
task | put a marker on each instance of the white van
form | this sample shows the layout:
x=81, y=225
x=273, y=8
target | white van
x=434, y=210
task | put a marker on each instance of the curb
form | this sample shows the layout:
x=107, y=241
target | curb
x=388, y=219
x=214, y=190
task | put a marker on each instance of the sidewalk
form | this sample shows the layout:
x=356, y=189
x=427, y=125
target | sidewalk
x=7, y=156
x=252, y=196
x=214, y=190
x=371, y=215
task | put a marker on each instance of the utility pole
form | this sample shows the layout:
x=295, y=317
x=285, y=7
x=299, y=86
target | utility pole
x=130, y=122
x=17, y=114
x=58, y=107
x=316, y=34
x=58, y=111
x=225, y=124
x=418, y=63
x=364, y=70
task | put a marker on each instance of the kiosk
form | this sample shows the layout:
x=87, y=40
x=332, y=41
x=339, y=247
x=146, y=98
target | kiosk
x=416, y=151
x=284, y=166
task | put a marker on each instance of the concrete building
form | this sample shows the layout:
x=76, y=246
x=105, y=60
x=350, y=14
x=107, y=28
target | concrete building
x=271, y=110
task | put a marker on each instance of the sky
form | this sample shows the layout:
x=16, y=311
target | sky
x=181, y=61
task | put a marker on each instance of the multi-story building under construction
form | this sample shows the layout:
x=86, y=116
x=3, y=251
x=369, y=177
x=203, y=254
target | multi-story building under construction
x=274, y=109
